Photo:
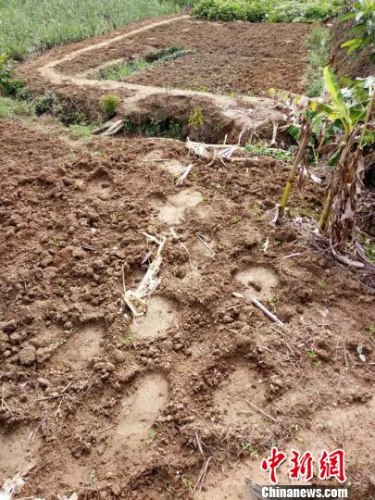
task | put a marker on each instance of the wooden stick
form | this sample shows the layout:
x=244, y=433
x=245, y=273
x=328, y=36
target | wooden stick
x=266, y=311
x=252, y=405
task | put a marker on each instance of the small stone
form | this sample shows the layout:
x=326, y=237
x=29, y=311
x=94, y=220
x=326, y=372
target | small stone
x=168, y=345
x=10, y=326
x=227, y=319
x=43, y=354
x=43, y=382
x=79, y=253
x=27, y=356
x=15, y=338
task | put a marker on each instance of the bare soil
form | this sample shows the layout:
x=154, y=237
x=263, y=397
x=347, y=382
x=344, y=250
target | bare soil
x=93, y=403
x=229, y=64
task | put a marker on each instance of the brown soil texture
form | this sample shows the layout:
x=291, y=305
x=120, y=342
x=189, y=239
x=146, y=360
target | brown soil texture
x=94, y=404
x=233, y=57
x=228, y=58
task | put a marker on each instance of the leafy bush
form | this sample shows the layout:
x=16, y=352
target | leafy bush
x=10, y=108
x=266, y=10
x=363, y=14
x=8, y=85
x=110, y=103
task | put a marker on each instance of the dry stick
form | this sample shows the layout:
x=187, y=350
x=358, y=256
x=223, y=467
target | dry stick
x=306, y=133
x=202, y=476
x=334, y=184
x=266, y=311
x=205, y=244
x=180, y=181
x=252, y=405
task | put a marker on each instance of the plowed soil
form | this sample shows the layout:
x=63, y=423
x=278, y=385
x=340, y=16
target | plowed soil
x=92, y=402
x=235, y=57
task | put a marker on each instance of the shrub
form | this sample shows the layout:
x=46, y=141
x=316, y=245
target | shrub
x=110, y=103
x=266, y=10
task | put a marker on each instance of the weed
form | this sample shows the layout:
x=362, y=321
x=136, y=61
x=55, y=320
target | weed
x=322, y=284
x=369, y=248
x=123, y=70
x=318, y=46
x=196, y=118
x=9, y=108
x=371, y=329
x=279, y=154
x=127, y=68
x=312, y=354
x=248, y=448
x=155, y=128
x=152, y=433
x=45, y=103
x=110, y=104
x=81, y=131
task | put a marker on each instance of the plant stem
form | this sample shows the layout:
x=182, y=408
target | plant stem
x=335, y=182
x=306, y=134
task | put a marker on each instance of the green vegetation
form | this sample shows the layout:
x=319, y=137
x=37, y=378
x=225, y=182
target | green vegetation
x=196, y=118
x=127, y=68
x=363, y=15
x=318, y=45
x=81, y=131
x=9, y=108
x=155, y=128
x=109, y=104
x=31, y=25
x=343, y=125
x=267, y=10
x=279, y=154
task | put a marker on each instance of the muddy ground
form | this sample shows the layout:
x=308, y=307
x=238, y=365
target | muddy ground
x=95, y=404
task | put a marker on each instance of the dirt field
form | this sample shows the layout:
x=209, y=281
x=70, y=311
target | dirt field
x=93, y=404
x=244, y=59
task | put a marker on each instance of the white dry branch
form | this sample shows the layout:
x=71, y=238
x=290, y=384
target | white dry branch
x=138, y=300
x=181, y=180
x=110, y=128
x=212, y=152
x=12, y=487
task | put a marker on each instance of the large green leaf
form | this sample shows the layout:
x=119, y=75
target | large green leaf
x=333, y=87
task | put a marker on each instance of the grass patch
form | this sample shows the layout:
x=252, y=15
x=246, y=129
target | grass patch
x=318, y=45
x=10, y=108
x=267, y=10
x=81, y=131
x=28, y=26
x=155, y=128
x=279, y=154
x=127, y=68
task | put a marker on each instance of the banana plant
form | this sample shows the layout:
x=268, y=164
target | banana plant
x=346, y=111
x=363, y=15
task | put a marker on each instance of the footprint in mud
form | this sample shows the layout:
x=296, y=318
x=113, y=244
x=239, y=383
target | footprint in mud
x=82, y=346
x=139, y=411
x=259, y=281
x=174, y=167
x=173, y=211
x=242, y=386
x=160, y=316
x=18, y=452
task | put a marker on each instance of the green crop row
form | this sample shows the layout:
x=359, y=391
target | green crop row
x=266, y=10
